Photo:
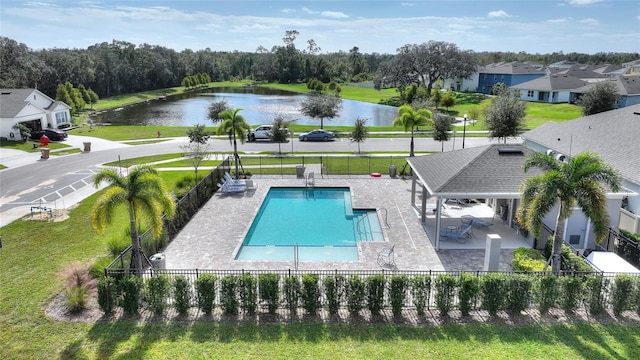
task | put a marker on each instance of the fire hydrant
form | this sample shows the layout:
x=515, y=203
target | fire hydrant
x=44, y=140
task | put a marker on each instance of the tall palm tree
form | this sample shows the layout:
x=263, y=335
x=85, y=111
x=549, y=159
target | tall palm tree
x=579, y=181
x=410, y=119
x=146, y=196
x=235, y=126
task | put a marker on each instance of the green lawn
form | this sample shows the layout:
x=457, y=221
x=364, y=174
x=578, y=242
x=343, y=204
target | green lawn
x=34, y=252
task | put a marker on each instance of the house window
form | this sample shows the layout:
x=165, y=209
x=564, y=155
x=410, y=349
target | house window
x=530, y=93
x=61, y=118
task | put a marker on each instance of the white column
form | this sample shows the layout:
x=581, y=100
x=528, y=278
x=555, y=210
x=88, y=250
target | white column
x=492, y=252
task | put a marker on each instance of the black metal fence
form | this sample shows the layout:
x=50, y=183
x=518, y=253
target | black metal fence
x=623, y=246
x=327, y=164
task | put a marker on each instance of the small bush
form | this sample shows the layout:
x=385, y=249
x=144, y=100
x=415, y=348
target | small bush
x=206, y=292
x=525, y=259
x=97, y=269
x=355, y=294
x=334, y=292
x=131, y=287
x=311, y=293
x=420, y=290
x=79, y=285
x=107, y=294
x=375, y=293
x=519, y=288
x=398, y=293
x=468, y=290
x=248, y=294
x=445, y=291
x=547, y=293
x=269, y=291
x=571, y=292
x=622, y=293
x=157, y=290
x=597, y=288
x=570, y=261
x=116, y=244
x=292, y=289
x=494, y=292
x=181, y=294
x=228, y=296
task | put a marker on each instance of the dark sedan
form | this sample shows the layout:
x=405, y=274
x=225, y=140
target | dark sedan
x=52, y=134
x=317, y=135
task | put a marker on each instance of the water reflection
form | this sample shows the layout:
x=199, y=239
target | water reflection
x=259, y=106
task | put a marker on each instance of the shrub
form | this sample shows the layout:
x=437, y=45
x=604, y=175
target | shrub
x=248, y=293
x=570, y=261
x=355, y=294
x=622, y=293
x=468, y=290
x=107, y=294
x=334, y=292
x=97, y=269
x=181, y=294
x=597, y=287
x=131, y=287
x=79, y=285
x=156, y=290
x=292, y=289
x=228, y=298
x=494, y=292
x=420, y=290
x=375, y=293
x=311, y=293
x=206, y=292
x=525, y=259
x=269, y=291
x=571, y=292
x=118, y=243
x=547, y=293
x=445, y=291
x=519, y=288
x=398, y=292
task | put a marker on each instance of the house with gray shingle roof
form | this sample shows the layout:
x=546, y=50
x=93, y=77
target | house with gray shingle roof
x=510, y=74
x=615, y=135
x=628, y=90
x=556, y=88
x=31, y=108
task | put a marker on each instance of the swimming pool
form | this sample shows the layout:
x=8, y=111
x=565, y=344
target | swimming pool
x=321, y=221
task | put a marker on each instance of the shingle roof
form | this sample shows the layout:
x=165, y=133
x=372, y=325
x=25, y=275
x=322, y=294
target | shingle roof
x=626, y=85
x=615, y=135
x=552, y=83
x=473, y=172
x=12, y=101
x=515, y=67
x=581, y=73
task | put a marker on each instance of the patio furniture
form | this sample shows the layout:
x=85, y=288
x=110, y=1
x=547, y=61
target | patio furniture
x=468, y=219
x=232, y=188
x=461, y=236
x=251, y=185
x=310, y=180
x=229, y=179
x=385, y=257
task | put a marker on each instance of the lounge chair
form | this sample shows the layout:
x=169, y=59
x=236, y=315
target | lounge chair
x=468, y=219
x=229, y=179
x=461, y=236
x=385, y=257
x=251, y=185
x=232, y=188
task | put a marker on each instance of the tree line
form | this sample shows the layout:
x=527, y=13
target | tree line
x=120, y=67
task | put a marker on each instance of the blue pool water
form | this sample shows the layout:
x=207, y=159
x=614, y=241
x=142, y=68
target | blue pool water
x=321, y=221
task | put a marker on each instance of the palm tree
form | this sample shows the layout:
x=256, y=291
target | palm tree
x=146, y=196
x=579, y=181
x=235, y=126
x=410, y=119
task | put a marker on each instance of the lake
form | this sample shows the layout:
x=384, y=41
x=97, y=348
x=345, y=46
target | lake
x=259, y=106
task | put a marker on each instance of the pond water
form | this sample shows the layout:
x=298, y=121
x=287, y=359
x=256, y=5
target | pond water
x=259, y=106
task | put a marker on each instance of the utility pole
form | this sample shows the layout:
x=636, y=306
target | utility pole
x=464, y=130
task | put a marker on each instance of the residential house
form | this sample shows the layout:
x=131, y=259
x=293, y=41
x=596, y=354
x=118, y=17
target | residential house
x=510, y=74
x=628, y=90
x=550, y=88
x=614, y=135
x=31, y=108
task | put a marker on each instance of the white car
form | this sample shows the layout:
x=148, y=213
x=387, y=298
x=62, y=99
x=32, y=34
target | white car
x=262, y=132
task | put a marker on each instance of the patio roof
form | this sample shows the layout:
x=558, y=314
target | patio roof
x=491, y=171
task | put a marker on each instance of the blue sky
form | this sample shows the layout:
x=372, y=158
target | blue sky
x=381, y=26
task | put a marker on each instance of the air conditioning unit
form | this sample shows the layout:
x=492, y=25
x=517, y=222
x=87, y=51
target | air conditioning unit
x=560, y=157
x=550, y=152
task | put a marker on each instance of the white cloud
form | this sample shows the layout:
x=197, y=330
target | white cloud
x=583, y=2
x=589, y=21
x=498, y=14
x=559, y=20
x=407, y=4
x=309, y=11
x=334, y=14
x=288, y=10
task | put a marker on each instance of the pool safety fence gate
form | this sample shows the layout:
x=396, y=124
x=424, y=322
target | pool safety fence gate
x=608, y=281
x=344, y=165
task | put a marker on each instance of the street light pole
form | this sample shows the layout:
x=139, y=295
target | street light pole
x=464, y=130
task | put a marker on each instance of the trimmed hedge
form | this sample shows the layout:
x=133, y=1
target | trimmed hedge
x=525, y=259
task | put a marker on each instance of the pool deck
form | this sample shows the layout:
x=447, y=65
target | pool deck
x=214, y=235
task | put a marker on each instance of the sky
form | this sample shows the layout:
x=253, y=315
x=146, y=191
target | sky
x=374, y=26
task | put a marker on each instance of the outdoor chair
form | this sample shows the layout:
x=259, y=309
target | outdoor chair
x=468, y=219
x=310, y=180
x=385, y=257
x=251, y=185
x=232, y=188
x=460, y=236
x=229, y=179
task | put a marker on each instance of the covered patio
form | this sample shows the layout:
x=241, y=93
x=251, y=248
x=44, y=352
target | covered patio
x=475, y=190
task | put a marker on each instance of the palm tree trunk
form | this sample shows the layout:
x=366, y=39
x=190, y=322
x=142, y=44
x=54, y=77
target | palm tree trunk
x=136, y=251
x=411, y=148
x=558, y=241
x=235, y=152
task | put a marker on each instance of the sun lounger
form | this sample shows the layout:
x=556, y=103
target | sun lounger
x=468, y=219
x=464, y=233
x=229, y=179
x=232, y=188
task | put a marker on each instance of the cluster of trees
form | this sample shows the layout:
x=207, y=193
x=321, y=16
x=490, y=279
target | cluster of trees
x=77, y=98
x=121, y=67
x=193, y=81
